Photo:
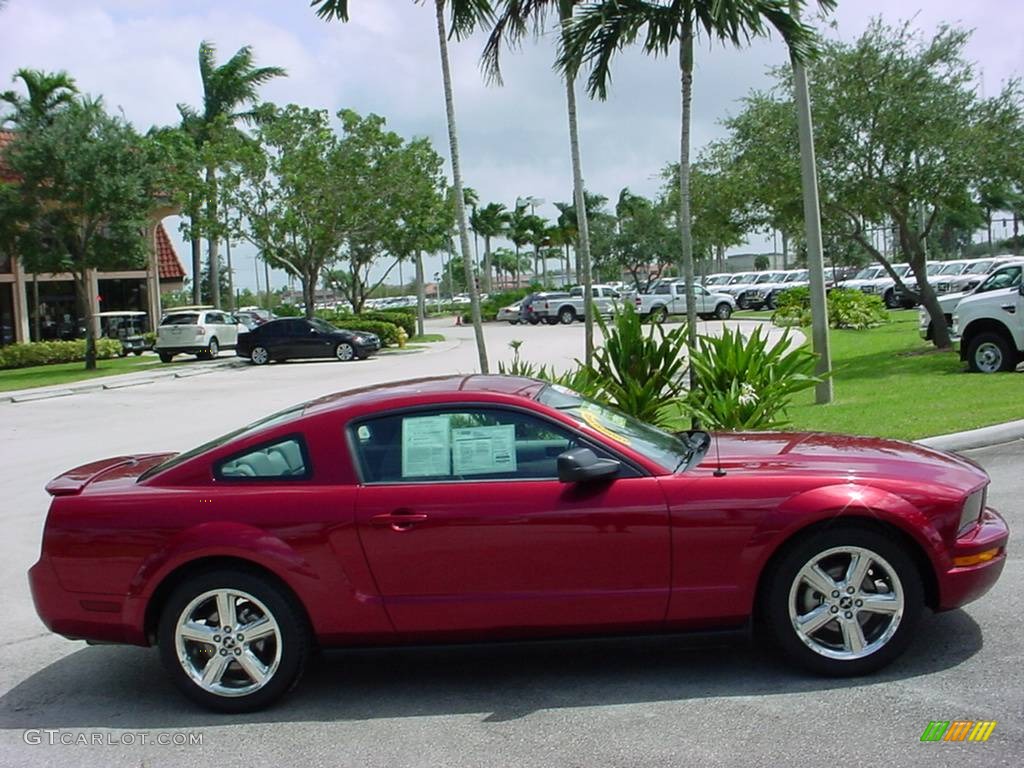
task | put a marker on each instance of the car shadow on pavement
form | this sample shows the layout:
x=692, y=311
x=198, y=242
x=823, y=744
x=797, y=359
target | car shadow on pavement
x=126, y=688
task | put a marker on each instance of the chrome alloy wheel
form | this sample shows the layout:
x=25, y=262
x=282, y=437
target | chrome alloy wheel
x=259, y=355
x=228, y=642
x=846, y=603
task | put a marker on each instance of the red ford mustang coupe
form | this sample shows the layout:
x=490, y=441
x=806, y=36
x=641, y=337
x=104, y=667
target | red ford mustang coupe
x=487, y=507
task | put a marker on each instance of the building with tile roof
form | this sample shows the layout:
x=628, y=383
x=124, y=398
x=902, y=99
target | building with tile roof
x=46, y=306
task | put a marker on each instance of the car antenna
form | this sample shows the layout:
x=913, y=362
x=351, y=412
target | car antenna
x=719, y=472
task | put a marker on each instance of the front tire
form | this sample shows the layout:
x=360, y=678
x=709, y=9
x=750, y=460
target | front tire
x=843, y=601
x=567, y=316
x=259, y=355
x=344, y=352
x=891, y=301
x=243, y=624
x=659, y=315
x=165, y=357
x=990, y=353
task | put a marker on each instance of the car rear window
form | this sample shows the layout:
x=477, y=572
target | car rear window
x=185, y=318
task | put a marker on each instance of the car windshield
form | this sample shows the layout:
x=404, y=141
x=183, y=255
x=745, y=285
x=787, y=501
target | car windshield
x=902, y=270
x=717, y=280
x=740, y=278
x=189, y=318
x=797, y=277
x=269, y=421
x=767, y=277
x=979, y=268
x=868, y=273
x=1008, y=277
x=952, y=268
x=667, y=450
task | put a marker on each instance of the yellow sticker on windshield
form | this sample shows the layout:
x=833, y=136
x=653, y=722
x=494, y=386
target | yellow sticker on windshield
x=594, y=422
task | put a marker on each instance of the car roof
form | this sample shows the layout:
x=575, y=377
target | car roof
x=467, y=385
x=118, y=313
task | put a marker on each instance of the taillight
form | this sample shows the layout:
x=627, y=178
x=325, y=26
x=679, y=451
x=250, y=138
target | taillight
x=637, y=301
x=200, y=331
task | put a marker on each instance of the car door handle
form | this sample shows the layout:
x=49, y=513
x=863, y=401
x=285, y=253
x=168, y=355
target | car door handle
x=399, y=520
x=1011, y=308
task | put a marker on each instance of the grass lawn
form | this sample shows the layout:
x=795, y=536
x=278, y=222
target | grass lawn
x=426, y=338
x=66, y=373
x=890, y=383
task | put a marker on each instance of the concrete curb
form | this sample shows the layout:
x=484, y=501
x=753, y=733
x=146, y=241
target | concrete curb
x=982, y=437
x=121, y=381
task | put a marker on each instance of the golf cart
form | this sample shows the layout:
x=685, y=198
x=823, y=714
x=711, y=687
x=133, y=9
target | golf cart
x=128, y=327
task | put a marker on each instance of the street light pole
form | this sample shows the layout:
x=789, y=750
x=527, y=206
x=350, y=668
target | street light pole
x=812, y=222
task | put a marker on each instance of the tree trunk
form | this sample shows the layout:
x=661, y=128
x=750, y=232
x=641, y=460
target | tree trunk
x=36, y=318
x=988, y=226
x=1016, y=233
x=82, y=288
x=488, y=284
x=309, y=294
x=231, y=276
x=583, y=268
x=197, y=266
x=460, y=202
x=266, y=279
x=213, y=240
x=421, y=294
x=685, y=225
x=812, y=226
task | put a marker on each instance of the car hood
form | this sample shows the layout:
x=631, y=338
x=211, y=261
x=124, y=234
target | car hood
x=858, y=459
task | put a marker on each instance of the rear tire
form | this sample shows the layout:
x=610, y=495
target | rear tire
x=551, y=320
x=723, y=311
x=567, y=316
x=250, y=673
x=165, y=357
x=834, y=618
x=659, y=315
x=990, y=353
x=259, y=355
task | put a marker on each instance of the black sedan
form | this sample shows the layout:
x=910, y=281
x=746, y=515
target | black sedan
x=292, y=338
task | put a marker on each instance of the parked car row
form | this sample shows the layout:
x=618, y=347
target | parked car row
x=987, y=322
x=756, y=290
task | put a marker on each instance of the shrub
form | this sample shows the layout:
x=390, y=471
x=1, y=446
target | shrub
x=287, y=310
x=847, y=308
x=402, y=319
x=388, y=332
x=747, y=383
x=50, y=352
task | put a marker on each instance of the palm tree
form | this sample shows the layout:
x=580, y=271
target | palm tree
x=540, y=238
x=229, y=91
x=490, y=221
x=47, y=93
x=513, y=21
x=520, y=232
x=466, y=15
x=605, y=27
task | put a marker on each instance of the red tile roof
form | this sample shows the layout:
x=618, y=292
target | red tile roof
x=6, y=137
x=168, y=263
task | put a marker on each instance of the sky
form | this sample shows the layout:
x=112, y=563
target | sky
x=141, y=56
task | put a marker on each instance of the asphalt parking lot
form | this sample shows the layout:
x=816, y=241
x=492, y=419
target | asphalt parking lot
x=619, y=702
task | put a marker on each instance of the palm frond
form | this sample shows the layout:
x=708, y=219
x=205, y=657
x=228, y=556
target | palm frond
x=331, y=9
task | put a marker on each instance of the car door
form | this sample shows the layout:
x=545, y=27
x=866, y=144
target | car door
x=466, y=527
x=307, y=341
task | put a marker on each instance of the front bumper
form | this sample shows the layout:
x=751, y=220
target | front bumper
x=962, y=584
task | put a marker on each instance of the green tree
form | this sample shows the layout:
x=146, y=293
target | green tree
x=643, y=240
x=465, y=16
x=46, y=94
x=229, y=91
x=87, y=181
x=603, y=28
x=489, y=222
x=514, y=19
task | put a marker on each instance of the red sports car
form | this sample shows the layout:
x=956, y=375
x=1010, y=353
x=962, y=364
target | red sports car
x=486, y=507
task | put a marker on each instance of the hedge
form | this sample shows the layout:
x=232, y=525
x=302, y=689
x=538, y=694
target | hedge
x=388, y=332
x=32, y=353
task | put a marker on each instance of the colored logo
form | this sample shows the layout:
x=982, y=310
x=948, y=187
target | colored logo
x=958, y=730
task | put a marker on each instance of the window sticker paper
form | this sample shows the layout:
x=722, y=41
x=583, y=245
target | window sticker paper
x=426, y=446
x=484, y=450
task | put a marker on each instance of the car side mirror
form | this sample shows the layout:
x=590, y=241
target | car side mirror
x=580, y=465
x=1020, y=288
x=314, y=332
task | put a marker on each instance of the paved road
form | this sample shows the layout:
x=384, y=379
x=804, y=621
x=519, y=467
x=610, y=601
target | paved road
x=622, y=702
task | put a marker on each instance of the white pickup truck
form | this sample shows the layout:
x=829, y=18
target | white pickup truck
x=669, y=298
x=567, y=309
x=988, y=324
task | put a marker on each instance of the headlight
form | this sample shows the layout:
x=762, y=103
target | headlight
x=956, y=326
x=972, y=509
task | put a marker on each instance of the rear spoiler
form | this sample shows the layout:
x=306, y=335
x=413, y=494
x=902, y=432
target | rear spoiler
x=74, y=480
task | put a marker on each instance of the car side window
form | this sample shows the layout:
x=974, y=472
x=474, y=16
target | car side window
x=662, y=289
x=283, y=459
x=463, y=444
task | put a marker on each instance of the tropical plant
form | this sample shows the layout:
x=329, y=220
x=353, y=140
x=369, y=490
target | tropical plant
x=847, y=308
x=465, y=16
x=606, y=26
x=229, y=91
x=513, y=21
x=640, y=369
x=46, y=94
x=747, y=382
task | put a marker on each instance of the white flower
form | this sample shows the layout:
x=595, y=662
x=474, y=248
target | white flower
x=748, y=395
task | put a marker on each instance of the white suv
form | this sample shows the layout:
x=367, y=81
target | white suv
x=989, y=323
x=199, y=331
